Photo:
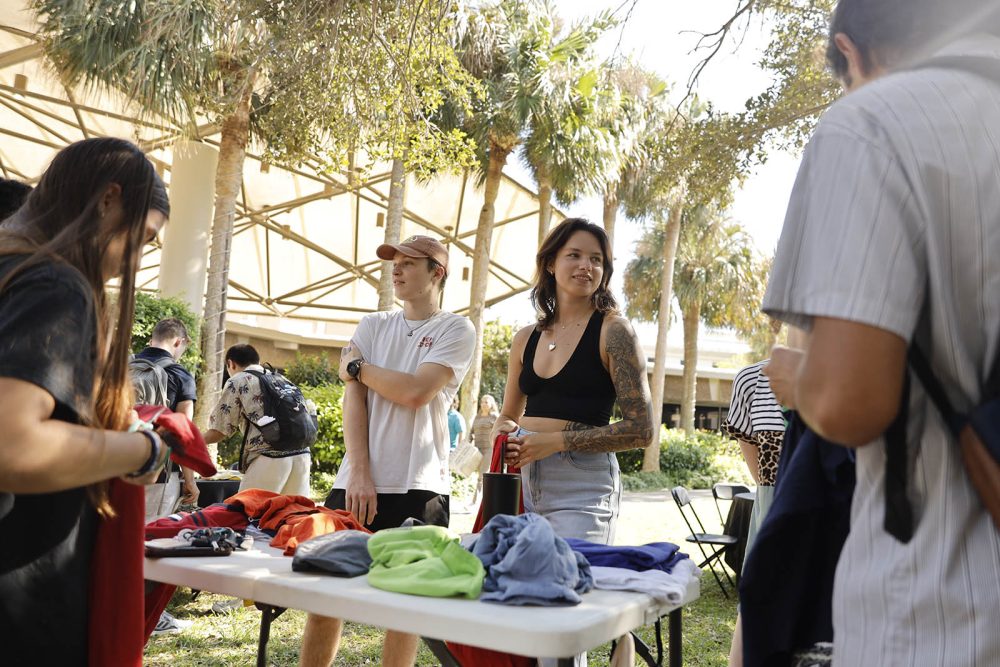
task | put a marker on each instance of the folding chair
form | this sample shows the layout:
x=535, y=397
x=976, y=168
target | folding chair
x=724, y=542
x=726, y=491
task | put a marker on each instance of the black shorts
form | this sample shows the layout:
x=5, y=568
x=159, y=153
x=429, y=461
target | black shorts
x=395, y=508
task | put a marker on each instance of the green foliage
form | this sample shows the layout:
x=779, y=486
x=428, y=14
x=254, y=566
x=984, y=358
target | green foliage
x=329, y=449
x=150, y=309
x=497, y=338
x=327, y=78
x=320, y=484
x=697, y=461
x=717, y=268
x=311, y=370
x=229, y=450
x=523, y=56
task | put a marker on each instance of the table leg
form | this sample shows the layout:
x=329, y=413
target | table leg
x=267, y=615
x=674, y=638
x=441, y=652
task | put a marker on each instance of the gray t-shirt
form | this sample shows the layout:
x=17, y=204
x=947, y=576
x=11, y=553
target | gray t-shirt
x=894, y=222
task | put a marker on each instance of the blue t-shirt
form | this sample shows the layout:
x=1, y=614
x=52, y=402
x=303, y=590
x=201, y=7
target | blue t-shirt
x=456, y=425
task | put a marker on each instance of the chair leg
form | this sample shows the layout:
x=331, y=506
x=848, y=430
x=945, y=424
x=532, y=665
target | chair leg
x=710, y=562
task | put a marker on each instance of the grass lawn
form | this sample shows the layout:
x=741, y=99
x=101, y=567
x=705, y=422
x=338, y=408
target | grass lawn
x=231, y=638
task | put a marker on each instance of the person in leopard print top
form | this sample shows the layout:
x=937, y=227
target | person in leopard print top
x=756, y=422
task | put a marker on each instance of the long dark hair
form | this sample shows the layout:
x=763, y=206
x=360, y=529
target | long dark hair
x=543, y=294
x=60, y=221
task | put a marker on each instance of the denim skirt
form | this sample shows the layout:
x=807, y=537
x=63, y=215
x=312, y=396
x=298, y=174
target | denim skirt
x=578, y=492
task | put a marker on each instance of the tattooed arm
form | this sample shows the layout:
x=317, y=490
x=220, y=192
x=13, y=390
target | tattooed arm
x=627, y=365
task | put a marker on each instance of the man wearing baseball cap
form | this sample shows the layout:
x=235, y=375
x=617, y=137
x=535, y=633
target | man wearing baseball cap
x=401, y=371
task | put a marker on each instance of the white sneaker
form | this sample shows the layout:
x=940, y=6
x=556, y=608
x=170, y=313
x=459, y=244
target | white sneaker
x=168, y=625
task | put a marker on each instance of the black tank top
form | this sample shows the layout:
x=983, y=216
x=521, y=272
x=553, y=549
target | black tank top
x=582, y=391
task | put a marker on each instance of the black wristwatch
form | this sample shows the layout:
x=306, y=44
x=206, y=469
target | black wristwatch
x=354, y=368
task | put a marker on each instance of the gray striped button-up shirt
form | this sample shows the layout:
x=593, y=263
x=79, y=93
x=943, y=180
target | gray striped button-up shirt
x=894, y=222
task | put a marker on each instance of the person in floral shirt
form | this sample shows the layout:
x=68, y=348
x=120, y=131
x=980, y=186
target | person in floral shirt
x=239, y=408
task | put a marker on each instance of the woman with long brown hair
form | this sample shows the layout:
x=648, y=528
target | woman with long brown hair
x=564, y=375
x=65, y=396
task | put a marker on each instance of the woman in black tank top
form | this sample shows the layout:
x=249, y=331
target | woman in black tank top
x=564, y=376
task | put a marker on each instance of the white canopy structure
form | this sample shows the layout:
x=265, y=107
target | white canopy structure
x=303, y=255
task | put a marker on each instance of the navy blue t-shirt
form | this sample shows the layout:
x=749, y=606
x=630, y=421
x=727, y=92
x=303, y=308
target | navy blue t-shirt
x=47, y=338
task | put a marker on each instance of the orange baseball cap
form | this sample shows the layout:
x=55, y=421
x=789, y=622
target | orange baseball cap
x=416, y=246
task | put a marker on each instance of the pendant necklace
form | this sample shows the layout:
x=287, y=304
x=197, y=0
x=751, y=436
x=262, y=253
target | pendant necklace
x=412, y=329
x=562, y=335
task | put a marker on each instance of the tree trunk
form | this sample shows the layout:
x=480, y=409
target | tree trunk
x=480, y=275
x=228, y=179
x=544, y=204
x=651, y=459
x=691, y=314
x=610, y=215
x=544, y=211
x=393, y=228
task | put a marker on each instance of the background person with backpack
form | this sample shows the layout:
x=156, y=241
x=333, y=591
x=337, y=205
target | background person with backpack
x=158, y=379
x=271, y=414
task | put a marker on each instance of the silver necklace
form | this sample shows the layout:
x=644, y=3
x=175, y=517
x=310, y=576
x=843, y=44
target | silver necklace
x=412, y=329
x=562, y=334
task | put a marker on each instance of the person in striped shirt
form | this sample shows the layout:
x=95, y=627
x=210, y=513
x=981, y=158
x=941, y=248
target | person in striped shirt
x=891, y=238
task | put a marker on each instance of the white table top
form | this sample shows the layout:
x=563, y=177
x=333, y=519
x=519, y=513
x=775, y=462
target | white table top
x=264, y=575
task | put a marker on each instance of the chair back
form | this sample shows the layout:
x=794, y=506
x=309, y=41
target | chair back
x=726, y=491
x=683, y=499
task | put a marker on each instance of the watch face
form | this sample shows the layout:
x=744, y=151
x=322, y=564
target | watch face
x=354, y=368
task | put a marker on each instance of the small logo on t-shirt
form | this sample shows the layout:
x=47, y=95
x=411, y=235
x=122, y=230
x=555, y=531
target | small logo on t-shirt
x=426, y=341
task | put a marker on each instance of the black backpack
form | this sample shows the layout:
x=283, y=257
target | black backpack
x=291, y=426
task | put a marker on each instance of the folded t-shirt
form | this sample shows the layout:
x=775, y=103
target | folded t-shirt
x=652, y=556
x=342, y=554
x=423, y=560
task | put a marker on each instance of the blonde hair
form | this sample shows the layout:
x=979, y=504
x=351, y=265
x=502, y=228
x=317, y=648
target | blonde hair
x=493, y=408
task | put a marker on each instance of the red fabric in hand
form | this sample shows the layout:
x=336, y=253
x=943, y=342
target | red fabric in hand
x=116, y=619
x=188, y=448
x=471, y=656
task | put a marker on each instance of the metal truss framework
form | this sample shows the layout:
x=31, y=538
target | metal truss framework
x=304, y=238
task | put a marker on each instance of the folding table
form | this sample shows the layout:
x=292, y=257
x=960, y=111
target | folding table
x=264, y=575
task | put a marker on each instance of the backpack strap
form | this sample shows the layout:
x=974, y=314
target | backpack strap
x=922, y=367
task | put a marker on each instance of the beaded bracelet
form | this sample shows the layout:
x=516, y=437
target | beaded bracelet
x=156, y=446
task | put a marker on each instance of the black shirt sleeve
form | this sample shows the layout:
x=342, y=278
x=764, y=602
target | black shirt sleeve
x=184, y=385
x=47, y=334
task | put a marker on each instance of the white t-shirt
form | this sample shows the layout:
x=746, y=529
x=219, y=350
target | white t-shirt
x=408, y=449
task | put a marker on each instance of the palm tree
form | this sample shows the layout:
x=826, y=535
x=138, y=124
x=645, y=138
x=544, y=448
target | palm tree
x=568, y=148
x=632, y=109
x=716, y=281
x=517, y=51
x=309, y=79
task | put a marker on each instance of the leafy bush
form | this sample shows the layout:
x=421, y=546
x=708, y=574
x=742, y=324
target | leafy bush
x=497, y=339
x=150, y=308
x=320, y=484
x=630, y=461
x=229, y=450
x=311, y=370
x=697, y=461
x=646, y=481
x=329, y=449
